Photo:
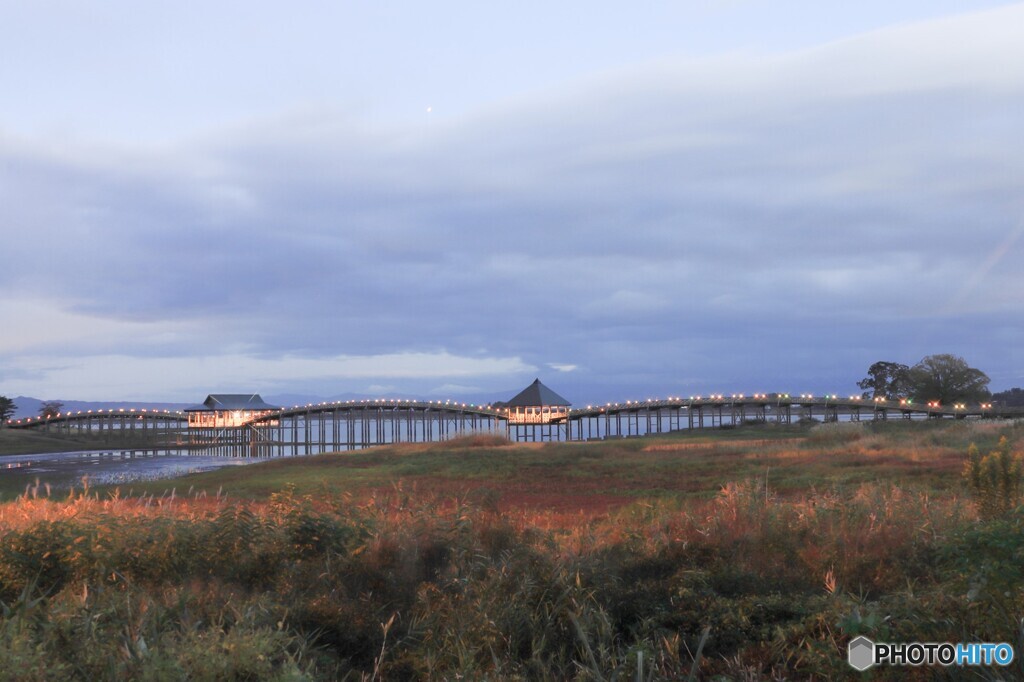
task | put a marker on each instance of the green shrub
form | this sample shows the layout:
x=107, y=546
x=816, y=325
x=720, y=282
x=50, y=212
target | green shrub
x=995, y=479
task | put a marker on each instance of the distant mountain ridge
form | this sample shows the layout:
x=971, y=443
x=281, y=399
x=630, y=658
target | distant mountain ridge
x=29, y=407
x=291, y=400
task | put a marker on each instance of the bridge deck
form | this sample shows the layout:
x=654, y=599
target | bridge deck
x=364, y=423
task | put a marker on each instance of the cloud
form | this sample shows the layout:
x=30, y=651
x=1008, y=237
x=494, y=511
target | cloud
x=713, y=218
x=184, y=378
x=560, y=367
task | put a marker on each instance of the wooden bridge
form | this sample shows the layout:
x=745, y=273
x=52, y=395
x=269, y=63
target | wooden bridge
x=119, y=423
x=358, y=424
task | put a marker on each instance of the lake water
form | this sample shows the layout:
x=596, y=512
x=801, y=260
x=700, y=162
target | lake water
x=62, y=470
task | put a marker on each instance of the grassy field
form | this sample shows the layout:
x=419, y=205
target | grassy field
x=753, y=553
x=594, y=477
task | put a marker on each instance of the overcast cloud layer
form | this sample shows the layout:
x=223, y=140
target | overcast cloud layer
x=751, y=220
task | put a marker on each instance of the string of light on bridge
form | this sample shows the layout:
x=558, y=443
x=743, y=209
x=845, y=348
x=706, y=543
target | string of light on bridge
x=121, y=410
x=454, y=404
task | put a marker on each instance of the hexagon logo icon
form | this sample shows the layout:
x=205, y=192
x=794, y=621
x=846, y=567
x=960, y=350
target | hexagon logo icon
x=861, y=653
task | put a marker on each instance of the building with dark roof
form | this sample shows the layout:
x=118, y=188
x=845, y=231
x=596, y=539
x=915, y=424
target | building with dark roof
x=227, y=410
x=537, y=404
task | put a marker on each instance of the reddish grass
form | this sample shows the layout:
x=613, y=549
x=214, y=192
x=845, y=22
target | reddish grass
x=590, y=488
x=761, y=442
x=584, y=497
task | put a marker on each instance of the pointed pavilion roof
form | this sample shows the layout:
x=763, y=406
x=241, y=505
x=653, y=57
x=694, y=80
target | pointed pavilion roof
x=218, y=402
x=536, y=394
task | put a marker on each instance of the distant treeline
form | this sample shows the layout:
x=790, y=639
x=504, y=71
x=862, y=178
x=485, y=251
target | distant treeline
x=1011, y=398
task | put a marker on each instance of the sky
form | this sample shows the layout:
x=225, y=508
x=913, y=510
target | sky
x=449, y=199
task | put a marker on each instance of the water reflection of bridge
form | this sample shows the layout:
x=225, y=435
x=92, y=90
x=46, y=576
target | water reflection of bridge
x=351, y=425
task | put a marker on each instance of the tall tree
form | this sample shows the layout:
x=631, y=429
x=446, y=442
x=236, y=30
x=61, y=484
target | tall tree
x=7, y=408
x=889, y=380
x=51, y=408
x=948, y=379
